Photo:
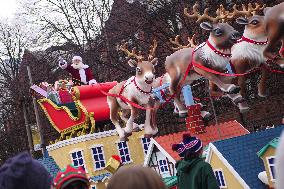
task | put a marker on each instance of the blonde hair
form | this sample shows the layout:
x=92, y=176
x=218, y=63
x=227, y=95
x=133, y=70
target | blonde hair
x=136, y=177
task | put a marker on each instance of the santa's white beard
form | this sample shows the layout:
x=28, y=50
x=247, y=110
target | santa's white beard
x=78, y=66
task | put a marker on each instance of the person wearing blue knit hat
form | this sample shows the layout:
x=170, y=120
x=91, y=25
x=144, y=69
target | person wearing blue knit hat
x=24, y=172
x=192, y=171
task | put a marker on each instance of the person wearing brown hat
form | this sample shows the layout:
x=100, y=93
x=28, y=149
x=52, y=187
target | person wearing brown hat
x=192, y=171
x=23, y=172
x=136, y=177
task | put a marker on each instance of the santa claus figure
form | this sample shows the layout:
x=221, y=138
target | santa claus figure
x=81, y=73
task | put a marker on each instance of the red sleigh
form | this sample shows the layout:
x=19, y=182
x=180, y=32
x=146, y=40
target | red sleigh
x=90, y=105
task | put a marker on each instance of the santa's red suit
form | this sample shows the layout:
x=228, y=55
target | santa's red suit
x=80, y=76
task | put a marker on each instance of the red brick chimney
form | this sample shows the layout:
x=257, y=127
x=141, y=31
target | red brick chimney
x=194, y=121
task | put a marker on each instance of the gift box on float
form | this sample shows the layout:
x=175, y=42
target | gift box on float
x=113, y=164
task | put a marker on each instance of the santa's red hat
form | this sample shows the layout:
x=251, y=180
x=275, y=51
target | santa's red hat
x=77, y=58
x=68, y=175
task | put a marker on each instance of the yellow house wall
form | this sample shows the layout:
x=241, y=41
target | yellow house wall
x=231, y=181
x=62, y=155
x=269, y=152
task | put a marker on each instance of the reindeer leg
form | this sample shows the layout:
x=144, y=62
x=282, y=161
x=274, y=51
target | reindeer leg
x=228, y=88
x=147, y=126
x=129, y=124
x=262, y=82
x=114, y=117
x=273, y=37
x=175, y=75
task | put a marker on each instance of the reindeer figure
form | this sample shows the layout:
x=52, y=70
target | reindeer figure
x=274, y=24
x=214, y=54
x=247, y=54
x=137, y=89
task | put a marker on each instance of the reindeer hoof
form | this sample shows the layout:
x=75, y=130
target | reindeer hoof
x=234, y=89
x=207, y=117
x=126, y=135
x=238, y=100
x=148, y=136
x=124, y=139
x=183, y=114
x=137, y=129
x=262, y=95
x=244, y=110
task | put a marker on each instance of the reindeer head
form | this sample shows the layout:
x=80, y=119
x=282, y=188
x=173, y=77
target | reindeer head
x=221, y=34
x=145, y=69
x=254, y=24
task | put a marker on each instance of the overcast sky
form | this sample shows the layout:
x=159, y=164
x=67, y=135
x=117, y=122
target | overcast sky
x=8, y=8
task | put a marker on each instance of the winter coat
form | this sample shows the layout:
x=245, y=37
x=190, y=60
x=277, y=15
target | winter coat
x=195, y=173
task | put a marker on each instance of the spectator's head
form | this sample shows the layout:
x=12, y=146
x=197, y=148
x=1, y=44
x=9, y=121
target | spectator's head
x=190, y=147
x=22, y=171
x=136, y=177
x=71, y=178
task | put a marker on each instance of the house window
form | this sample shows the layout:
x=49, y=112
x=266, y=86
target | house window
x=98, y=158
x=163, y=166
x=124, y=152
x=145, y=144
x=271, y=166
x=78, y=159
x=220, y=178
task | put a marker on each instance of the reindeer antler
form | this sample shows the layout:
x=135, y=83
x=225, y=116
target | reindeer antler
x=180, y=46
x=257, y=7
x=133, y=53
x=221, y=15
x=152, y=50
x=246, y=11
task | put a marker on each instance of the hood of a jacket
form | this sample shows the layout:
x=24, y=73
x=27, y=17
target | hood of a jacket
x=186, y=165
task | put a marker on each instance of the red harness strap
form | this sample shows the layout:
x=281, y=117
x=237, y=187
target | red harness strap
x=161, y=83
x=139, y=89
x=252, y=41
x=217, y=51
x=194, y=64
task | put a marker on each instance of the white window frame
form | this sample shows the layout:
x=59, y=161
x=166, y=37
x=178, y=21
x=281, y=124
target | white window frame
x=166, y=165
x=83, y=157
x=269, y=167
x=145, y=152
x=220, y=178
x=128, y=152
x=103, y=153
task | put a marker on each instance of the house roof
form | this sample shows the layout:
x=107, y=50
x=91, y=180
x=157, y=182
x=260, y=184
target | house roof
x=240, y=153
x=100, y=177
x=273, y=144
x=51, y=166
x=227, y=130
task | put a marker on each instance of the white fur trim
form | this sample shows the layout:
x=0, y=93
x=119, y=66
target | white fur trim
x=92, y=81
x=250, y=51
x=83, y=76
x=214, y=59
x=85, y=66
x=77, y=58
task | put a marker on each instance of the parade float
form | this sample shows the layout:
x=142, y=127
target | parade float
x=74, y=111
